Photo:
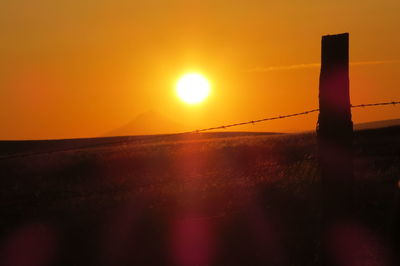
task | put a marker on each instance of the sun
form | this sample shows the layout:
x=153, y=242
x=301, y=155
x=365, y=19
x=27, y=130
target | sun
x=193, y=88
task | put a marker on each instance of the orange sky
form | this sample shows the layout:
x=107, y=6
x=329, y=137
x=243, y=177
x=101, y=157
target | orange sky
x=72, y=68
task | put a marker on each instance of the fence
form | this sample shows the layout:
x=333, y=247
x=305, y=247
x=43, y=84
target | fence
x=287, y=116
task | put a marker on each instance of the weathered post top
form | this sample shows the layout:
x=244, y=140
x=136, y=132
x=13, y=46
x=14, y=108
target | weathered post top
x=335, y=50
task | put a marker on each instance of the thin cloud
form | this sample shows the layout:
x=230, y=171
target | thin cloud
x=382, y=62
x=317, y=65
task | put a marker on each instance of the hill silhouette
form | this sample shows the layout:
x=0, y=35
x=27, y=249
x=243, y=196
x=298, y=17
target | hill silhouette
x=151, y=122
x=377, y=124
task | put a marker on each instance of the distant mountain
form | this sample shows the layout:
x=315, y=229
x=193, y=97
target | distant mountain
x=151, y=122
x=377, y=124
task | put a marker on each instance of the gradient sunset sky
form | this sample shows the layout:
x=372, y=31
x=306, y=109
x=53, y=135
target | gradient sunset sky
x=73, y=69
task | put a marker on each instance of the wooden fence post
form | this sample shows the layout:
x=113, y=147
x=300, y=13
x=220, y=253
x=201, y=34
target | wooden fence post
x=335, y=128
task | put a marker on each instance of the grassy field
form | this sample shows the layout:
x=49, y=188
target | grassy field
x=201, y=199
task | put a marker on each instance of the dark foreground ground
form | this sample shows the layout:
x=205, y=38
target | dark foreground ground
x=204, y=199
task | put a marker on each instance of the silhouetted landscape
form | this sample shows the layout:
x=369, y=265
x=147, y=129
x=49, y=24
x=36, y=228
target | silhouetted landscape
x=199, y=133
x=192, y=199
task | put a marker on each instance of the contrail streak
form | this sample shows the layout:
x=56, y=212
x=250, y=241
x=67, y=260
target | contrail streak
x=317, y=65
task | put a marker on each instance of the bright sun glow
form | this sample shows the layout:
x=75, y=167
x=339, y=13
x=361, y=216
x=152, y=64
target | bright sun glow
x=193, y=88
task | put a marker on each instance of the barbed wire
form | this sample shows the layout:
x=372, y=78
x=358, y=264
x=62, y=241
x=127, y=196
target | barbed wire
x=375, y=104
x=7, y=156
x=285, y=116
